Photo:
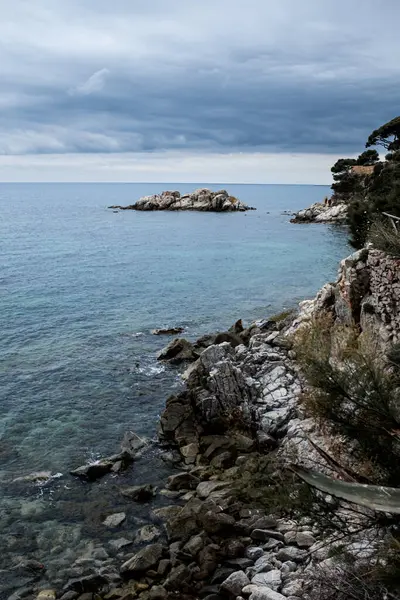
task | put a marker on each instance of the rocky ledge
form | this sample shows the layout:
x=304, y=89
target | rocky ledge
x=321, y=213
x=202, y=200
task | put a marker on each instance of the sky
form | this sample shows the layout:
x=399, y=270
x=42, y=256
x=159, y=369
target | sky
x=252, y=91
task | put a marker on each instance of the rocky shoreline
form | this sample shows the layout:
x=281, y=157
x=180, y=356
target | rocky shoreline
x=200, y=200
x=238, y=419
x=322, y=213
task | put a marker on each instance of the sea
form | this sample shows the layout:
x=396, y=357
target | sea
x=81, y=288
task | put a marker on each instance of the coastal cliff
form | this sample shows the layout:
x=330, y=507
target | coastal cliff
x=200, y=200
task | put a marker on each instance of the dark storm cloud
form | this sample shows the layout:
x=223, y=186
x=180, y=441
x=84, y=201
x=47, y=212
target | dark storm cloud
x=114, y=77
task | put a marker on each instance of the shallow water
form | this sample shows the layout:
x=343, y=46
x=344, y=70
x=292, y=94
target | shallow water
x=80, y=289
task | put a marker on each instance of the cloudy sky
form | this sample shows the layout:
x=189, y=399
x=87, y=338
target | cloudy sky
x=179, y=90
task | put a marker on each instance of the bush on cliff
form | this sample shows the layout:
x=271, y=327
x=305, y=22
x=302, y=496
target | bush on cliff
x=355, y=391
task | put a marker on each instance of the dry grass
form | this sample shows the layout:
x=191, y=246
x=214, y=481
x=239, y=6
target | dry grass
x=384, y=237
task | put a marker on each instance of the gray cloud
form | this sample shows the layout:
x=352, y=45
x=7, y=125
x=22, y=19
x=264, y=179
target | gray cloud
x=212, y=77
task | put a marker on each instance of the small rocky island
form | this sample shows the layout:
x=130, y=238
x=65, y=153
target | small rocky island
x=322, y=212
x=202, y=200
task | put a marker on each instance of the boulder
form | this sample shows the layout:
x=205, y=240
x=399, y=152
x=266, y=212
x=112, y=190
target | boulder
x=132, y=444
x=271, y=579
x=147, y=534
x=143, y=560
x=182, y=481
x=217, y=522
x=291, y=553
x=97, y=469
x=139, y=493
x=114, y=520
x=235, y=583
x=177, y=351
x=262, y=593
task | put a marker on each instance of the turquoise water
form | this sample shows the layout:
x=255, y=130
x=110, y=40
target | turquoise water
x=82, y=286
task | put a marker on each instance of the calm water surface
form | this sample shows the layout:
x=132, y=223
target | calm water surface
x=80, y=289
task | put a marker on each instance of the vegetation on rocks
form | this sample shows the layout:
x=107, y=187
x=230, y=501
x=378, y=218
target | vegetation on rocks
x=370, y=192
x=353, y=389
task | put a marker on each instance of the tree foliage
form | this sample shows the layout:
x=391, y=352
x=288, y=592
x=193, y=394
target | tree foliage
x=388, y=136
x=370, y=194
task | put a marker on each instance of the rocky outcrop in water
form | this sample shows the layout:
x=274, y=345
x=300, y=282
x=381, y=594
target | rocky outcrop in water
x=321, y=213
x=202, y=200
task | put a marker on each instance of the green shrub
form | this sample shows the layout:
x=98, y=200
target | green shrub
x=352, y=390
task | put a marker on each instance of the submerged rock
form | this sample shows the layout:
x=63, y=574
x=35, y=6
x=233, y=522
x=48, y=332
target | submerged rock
x=96, y=470
x=143, y=560
x=170, y=331
x=139, y=493
x=200, y=200
x=114, y=520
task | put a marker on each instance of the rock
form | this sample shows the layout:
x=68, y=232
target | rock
x=114, y=520
x=147, y=534
x=254, y=552
x=47, y=595
x=294, y=588
x=99, y=468
x=223, y=461
x=291, y=553
x=182, y=481
x=214, y=522
x=178, y=350
x=234, y=549
x=169, y=331
x=290, y=537
x=178, y=578
x=120, y=543
x=271, y=579
x=163, y=567
x=205, y=488
x=221, y=574
x=143, y=560
x=88, y=583
x=321, y=213
x=166, y=512
x=262, y=593
x=288, y=567
x=36, y=477
x=239, y=564
x=158, y=592
x=194, y=545
x=265, y=534
x=69, y=595
x=208, y=559
x=263, y=564
x=181, y=527
x=132, y=444
x=305, y=539
x=235, y=583
x=200, y=200
x=237, y=327
x=139, y=493
x=190, y=452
